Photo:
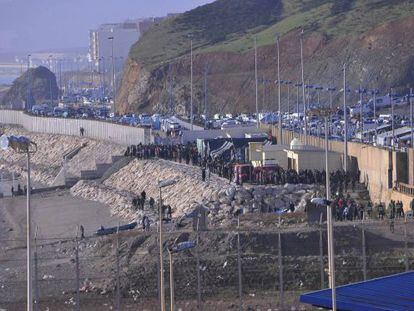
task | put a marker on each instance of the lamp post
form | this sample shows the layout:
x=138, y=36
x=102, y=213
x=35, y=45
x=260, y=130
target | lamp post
x=411, y=117
x=113, y=74
x=176, y=248
x=256, y=82
x=392, y=116
x=24, y=145
x=191, y=84
x=297, y=85
x=28, y=100
x=288, y=83
x=374, y=94
x=50, y=80
x=279, y=139
x=361, y=91
x=326, y=113
x=162, y=184
x=345, y=124
x=303, y=88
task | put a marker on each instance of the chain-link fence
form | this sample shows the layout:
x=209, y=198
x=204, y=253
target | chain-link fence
x=228, y=269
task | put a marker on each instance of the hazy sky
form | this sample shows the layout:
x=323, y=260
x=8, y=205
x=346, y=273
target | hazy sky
x=32, y=25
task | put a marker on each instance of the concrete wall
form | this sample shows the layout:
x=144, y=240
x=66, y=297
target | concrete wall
x=117, y=133
x=375, y=164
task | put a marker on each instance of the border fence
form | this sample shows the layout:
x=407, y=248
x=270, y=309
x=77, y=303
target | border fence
x=229, y=269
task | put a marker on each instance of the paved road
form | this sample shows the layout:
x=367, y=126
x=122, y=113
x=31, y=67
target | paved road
x=186, y=125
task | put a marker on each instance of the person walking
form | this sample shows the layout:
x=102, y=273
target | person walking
x=82, y=230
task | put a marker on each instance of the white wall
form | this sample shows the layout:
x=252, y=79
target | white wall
x=117, y=133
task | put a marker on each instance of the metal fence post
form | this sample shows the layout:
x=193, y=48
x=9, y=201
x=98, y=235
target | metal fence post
x=407, y=266
x=77, y=272
x=321, y=263
x=364, y=254
x=199, y=306
x=280, y=261
x=36, y=276
x=118, y=291
x=239, y=266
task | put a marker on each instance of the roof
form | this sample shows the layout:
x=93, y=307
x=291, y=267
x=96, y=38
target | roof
x=397, y=132
x=394, y=292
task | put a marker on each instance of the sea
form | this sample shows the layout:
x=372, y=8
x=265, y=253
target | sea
x=7, y=79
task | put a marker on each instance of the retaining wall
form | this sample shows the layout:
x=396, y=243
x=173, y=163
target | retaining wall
x=376, y=165
x=117, y=133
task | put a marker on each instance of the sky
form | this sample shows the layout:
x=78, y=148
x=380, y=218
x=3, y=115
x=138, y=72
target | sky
x=39, y=25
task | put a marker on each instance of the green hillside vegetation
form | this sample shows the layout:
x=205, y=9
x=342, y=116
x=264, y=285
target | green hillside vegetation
x=229, y=25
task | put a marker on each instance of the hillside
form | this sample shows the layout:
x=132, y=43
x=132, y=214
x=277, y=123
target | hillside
x=42, y=86
x=369, y=35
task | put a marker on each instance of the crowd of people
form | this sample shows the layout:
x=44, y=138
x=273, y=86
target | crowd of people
x=344, y=207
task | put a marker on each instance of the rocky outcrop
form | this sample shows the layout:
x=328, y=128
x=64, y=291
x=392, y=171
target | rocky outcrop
x=370, y=38
x=37, y=84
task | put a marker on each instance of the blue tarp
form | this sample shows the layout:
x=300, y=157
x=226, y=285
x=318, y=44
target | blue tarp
x=394, y=292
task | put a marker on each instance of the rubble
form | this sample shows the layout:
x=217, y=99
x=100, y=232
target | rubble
x=221, y=198
x=48, y=159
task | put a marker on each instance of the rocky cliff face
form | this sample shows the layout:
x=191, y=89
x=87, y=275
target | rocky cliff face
x=377, y=57
x=39, y=82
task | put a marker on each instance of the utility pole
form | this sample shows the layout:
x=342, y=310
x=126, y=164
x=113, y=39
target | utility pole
x=170, y=95
x=392, y=117
x=303, y=88
x=191, y=86
x=162, y=295
x=345, y=124
x=113, y=75
x=205, y=94
x=279, y=139
x=411, y=117
x=50, y=80
x=255, y=77
x=28, y=100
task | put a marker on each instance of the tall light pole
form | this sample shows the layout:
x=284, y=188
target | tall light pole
x=303, y=89
x=50, y=80
x=326, y=113
x=392, y=116
x=297, y=85
x=345, y=124
x=411, y=117
x=191, y=85
x=279, y=139
x=24, y=145
x=288, y=83
x=176, y=248
x=113, y=74
x=162, y=184
x=361, y=91
x=28, y=100
x=374, y=94
x=256, y=82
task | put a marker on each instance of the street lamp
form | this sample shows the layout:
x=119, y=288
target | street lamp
x=326, y=113
x=113, y=74
x=162, y=184
x=50, y=80
x=278, y=92
x=410, y=97
x=303, y=87
x=256, y=82
x=28, y=100
x=24, y=145
x=361, y=91
x=176, y=248
x=288, y=83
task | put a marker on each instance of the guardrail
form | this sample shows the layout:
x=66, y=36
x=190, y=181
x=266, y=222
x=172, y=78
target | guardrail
x=405, y=188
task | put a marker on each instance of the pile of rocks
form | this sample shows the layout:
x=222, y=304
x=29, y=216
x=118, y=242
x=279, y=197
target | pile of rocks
x=221, y=198
x=118, y=190
x=262, y=199
x=48, y=159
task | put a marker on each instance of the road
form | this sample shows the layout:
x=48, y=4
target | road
x=186, y=124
